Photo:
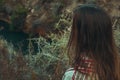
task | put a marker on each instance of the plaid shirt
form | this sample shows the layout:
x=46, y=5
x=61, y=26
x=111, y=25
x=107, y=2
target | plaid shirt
x=85, y=68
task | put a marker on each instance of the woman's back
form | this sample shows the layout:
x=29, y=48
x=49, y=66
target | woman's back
x=91, y=48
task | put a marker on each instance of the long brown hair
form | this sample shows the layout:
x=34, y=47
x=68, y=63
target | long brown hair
x=92, y=35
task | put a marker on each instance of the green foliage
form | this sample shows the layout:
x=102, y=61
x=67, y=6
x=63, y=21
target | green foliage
x=13, y=65
x=20, y=9
x=117, y=37
x=18, y=17
x=12, y=24
x=48, y=64
x=2, y=2
x=48, y=58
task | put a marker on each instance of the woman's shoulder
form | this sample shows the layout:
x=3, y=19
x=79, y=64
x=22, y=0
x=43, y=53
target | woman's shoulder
x=68, y=74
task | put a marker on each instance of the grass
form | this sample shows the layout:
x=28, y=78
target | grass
x=49, y=63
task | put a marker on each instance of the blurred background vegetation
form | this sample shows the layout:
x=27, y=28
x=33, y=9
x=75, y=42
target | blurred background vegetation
x=34, y=35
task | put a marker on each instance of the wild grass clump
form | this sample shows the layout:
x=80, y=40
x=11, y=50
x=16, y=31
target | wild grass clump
x=51, y=61
x=117, y=38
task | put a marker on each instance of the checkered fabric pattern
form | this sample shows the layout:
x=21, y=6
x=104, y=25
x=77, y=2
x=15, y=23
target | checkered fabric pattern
x=85, y=67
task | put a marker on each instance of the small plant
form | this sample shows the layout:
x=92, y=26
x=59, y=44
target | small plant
x=51, y=60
